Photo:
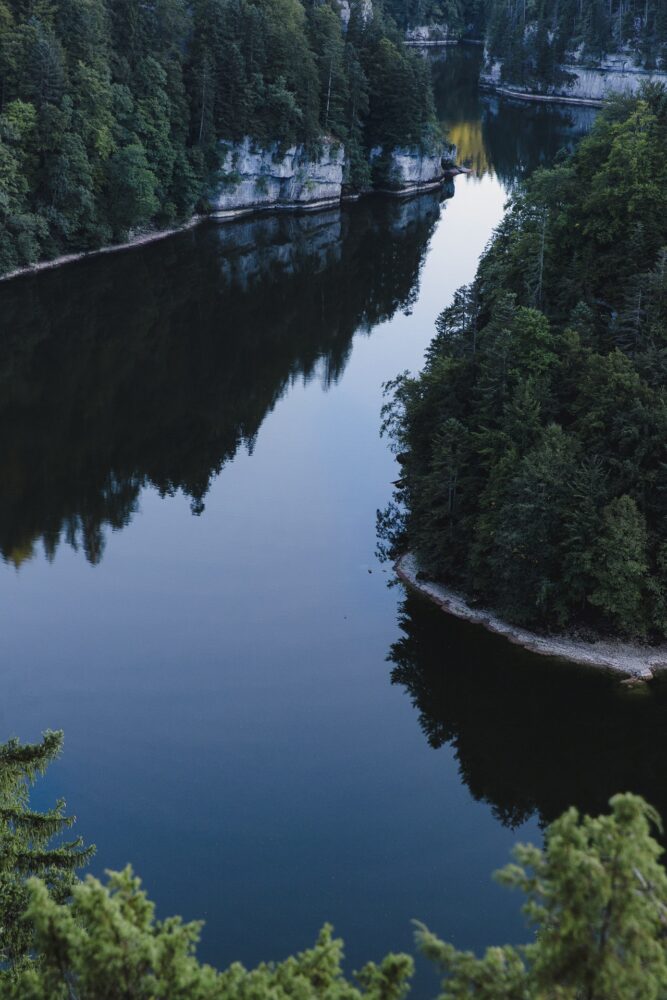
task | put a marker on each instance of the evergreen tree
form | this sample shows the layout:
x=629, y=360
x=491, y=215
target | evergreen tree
x=27, y=849
x=619, y=565
x=561, y=412
x=112, y=114
x=532, y=39
x=596, y=896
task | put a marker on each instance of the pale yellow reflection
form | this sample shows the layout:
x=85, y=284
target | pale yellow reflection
x=470, y=145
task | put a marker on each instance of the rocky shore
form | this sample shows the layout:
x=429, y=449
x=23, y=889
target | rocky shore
x=632, y=661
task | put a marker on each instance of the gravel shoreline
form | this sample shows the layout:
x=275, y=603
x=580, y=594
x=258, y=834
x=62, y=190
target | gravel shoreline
x=141, y=239
x=627, y=659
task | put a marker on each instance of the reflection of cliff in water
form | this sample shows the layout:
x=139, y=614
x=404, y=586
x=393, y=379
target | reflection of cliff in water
x=153, y=367
x=530, y=736
x=505, y=138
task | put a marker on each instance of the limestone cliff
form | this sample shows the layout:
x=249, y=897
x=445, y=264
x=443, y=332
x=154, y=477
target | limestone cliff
x=365, y=8
x=424, y=36
x=253, y=178
x=404, y=170
x=586, y=84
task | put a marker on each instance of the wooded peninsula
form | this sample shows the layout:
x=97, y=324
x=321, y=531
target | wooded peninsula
x=532, y=446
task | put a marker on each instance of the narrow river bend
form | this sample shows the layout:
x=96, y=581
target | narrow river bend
x=190, y=471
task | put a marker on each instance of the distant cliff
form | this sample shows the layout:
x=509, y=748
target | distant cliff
x=579, y=83
x=424, y=36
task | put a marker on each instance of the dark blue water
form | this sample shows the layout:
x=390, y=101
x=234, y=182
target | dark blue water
x=190, y=472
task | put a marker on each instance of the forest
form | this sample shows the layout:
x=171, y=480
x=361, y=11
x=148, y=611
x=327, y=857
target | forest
x=465, y=18
x=532, y=445
x=111, y=113
x=533, y=38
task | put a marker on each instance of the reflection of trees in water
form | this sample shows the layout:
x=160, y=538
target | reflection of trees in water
x=520, y=138
x=505, y=138
x=153, y=367
x=530, y=735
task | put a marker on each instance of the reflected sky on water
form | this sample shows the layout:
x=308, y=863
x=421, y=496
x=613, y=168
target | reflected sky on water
x=191, y=468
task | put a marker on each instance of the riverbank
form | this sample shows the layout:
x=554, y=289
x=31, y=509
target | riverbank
x=143, y=239
x=525, y=95
x=629, y=660
x=140, y=240
x=586, y=86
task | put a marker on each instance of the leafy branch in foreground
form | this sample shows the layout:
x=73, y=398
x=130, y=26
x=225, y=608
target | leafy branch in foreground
x=596, y=896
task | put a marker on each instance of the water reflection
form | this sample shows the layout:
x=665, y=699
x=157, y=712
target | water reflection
x=501, y=137
x=530, y=736
x=154, y=367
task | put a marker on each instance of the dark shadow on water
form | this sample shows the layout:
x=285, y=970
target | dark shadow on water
x=152, y=367
x=531, y=736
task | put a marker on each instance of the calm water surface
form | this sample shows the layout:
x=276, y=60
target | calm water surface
x=191, y=468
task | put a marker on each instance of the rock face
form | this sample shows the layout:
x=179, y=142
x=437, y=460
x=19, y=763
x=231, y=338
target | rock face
x=426, y=36
x=405, y=170
x=588, y=85
x=252, y=178
x=345, y=7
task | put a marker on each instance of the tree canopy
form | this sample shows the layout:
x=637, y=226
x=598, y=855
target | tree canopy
x=533, y=443
x=532, y=39
x=112, y=113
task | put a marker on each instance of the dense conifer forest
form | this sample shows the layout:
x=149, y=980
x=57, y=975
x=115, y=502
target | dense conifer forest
x=462, y=17
x=533, y=443
x=534, y=38
x=111, y=112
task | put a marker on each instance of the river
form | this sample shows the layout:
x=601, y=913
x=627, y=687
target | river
x=190, y=473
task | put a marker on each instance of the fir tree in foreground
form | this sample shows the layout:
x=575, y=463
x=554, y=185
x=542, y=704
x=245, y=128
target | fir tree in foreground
x=26, y=844
x=596, y=896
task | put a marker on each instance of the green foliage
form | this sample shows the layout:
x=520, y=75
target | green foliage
x=596, y=896
x=25, y=847
x=107, y=945
x=461, y=17
x=620, y=564
x=112, y=113
x=533, y=442
x=532, y=39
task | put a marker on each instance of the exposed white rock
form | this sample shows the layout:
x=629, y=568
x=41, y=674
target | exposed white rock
x=254, y=178
x=426, y=36
x=365, y=8
x=588, y=85
x=407, y=169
